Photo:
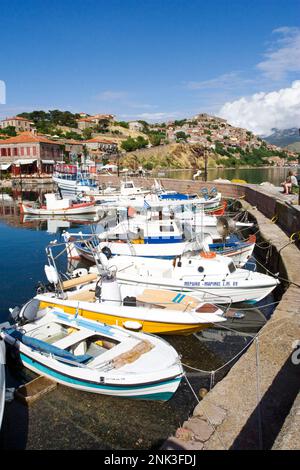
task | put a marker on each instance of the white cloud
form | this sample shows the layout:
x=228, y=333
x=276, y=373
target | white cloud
x=284, y=54
x=263, y=111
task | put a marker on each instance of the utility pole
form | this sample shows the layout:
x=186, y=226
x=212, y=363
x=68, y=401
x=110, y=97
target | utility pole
x=118, y=158
x=205, y=164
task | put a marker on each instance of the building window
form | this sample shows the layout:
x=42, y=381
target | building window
x=28, y=151
x=34, y=151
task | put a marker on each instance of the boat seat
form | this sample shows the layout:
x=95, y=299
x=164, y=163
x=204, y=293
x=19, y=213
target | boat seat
x=77, y=281
x=84, y=295
x=168, y=299
x=42, y=346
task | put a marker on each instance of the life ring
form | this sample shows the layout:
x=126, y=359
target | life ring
x=207, y=254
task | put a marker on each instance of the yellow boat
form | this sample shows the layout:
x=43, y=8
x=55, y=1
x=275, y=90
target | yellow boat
x=150, y=310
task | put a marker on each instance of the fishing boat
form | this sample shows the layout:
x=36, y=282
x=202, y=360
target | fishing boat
x=207, y=276
x=169, y=199
x=113, y=196
x=74, y=179
x=2, y=379
x=92, y=356
x=240, y=251
x=56, y=205
x=134, y=237
x=153, y=236
x=103, y=298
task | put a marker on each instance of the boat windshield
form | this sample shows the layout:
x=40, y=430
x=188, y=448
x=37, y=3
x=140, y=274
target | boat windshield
x=231, y=267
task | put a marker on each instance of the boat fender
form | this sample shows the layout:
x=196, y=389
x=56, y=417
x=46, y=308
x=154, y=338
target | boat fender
x=107, y=251
x=132, y=325
x=51, y=274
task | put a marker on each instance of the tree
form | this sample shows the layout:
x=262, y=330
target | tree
x=87, y=133
x=181, y=135
x=9, y=131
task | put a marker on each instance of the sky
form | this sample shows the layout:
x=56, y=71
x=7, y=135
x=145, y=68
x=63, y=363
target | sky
x=155, y=60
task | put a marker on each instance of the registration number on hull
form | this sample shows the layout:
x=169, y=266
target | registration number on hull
x=211, y=284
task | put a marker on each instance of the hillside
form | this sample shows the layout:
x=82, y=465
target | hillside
x=295, y=147
x=176, y=155
x=283, y=138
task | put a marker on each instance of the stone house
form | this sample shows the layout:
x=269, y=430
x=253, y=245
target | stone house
x=30, y=153
x=21, y=124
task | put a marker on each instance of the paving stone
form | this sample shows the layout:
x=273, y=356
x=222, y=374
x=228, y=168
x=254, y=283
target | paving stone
x=212, y=413
x=193, y=445
x=200, y=428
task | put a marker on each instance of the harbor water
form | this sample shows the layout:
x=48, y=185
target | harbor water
x=274, y=175
x=96, y=421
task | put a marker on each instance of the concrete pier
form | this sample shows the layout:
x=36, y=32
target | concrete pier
x=248, y=408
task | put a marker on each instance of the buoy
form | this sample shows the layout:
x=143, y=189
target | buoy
x=203, y=392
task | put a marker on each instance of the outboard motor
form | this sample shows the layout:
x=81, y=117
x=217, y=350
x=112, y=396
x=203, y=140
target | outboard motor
x=110, y=290
x=225, y=226
x=28, y=313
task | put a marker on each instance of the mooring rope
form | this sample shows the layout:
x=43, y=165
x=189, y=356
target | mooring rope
x=205, y=414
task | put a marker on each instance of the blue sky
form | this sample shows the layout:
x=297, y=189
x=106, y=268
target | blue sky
x=151, y=59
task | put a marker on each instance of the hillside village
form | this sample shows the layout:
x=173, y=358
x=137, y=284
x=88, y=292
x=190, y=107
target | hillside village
x=35, y=141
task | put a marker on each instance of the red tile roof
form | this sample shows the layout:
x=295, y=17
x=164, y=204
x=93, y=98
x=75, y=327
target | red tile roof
x=27, y=137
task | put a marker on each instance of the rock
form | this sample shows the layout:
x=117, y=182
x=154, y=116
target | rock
x=183, y=434
x=201, y=429
x=215, y=414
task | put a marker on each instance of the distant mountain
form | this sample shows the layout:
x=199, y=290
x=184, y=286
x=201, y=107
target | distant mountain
x=284, y=137
x=294, y=147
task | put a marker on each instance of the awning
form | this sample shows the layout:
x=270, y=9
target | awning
x=48, y=162
x=26, y=161
x=5, y=166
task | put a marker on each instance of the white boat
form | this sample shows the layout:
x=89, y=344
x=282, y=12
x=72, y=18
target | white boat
x=207, y=277
x=166, y=200
x=113, y=196
x=71, y=178
x=103, y=298
x=55, y=205
x=134, y=237
x=2, y=379
x=92, y=356
x=142, y=235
